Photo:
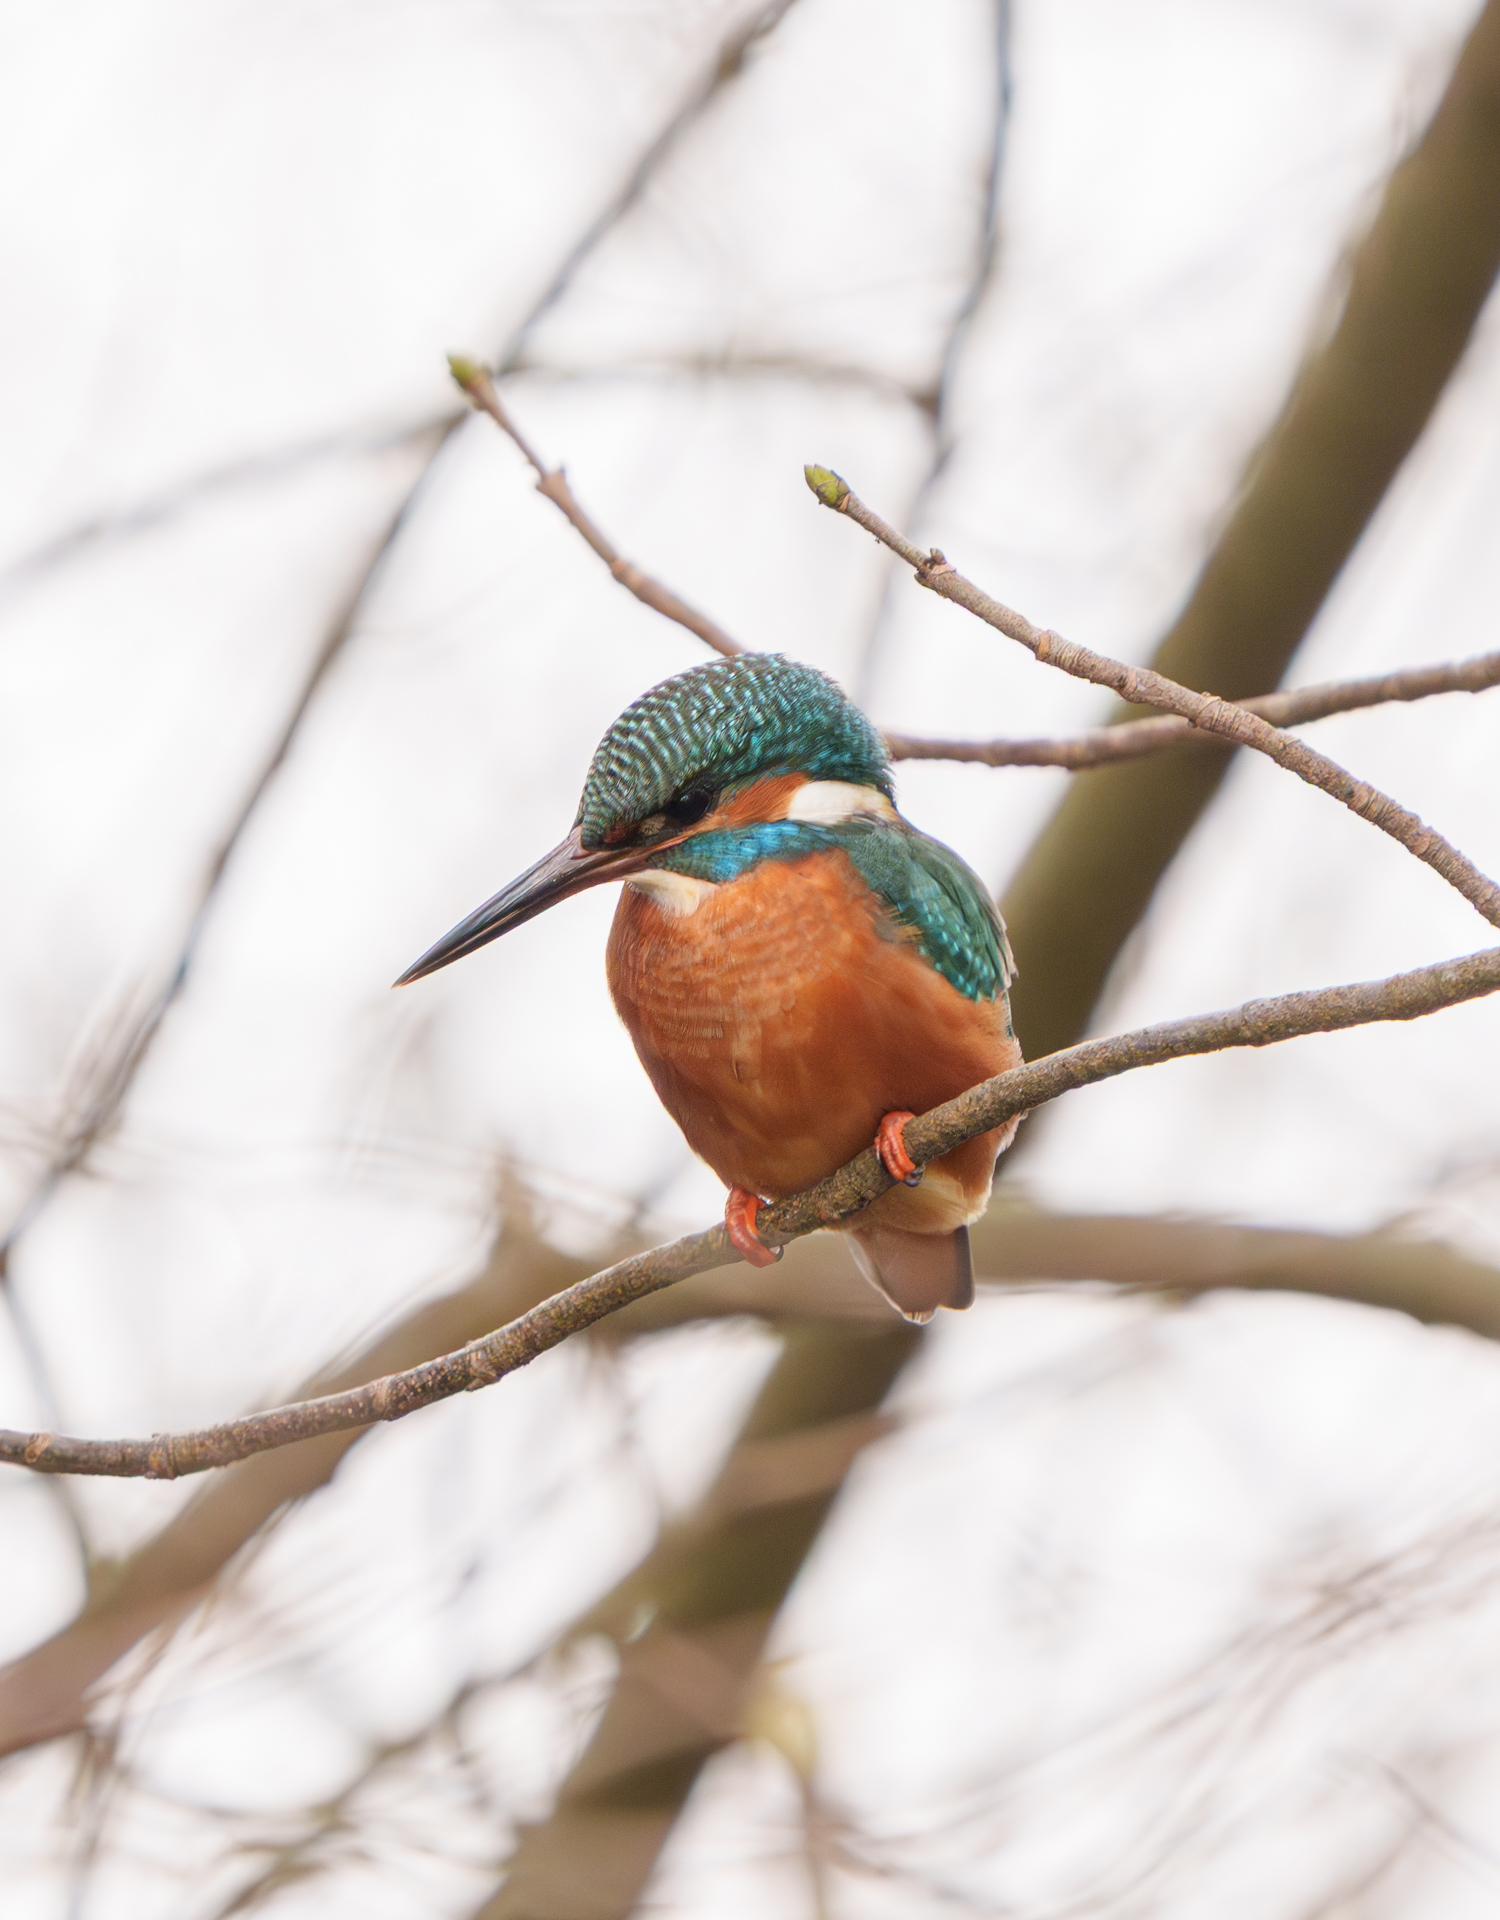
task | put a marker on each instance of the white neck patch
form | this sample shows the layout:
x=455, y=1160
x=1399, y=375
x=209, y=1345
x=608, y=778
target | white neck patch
x=676, y=893
x=824, y=803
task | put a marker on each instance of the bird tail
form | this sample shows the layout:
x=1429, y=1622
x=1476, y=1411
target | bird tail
x=917, y=1272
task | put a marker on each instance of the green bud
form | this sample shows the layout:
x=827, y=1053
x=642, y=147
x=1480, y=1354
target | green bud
x=827, y=486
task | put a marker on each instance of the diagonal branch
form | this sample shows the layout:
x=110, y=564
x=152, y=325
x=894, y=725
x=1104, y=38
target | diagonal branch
x=119, y=1075
x=727, y=63
x=114, y=1084
x=250, y=470
x=1135, y=739
x=1141, y=686
x=1414, y=285
x=1260, y=1023
x=45, y=1691
x=479, y=385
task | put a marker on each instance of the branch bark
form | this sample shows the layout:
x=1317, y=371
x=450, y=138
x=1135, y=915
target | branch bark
x=44, y=1693
x=1417, y=282
x=1259, y=1023
x=479, y=385
x=1206, y=711
x=1136, y=739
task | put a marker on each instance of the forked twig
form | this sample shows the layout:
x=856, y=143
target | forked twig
x=479, y=385
x=1135, y=739
x=1143, y=687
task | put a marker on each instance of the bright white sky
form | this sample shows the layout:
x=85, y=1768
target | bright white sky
x=1089, y=1634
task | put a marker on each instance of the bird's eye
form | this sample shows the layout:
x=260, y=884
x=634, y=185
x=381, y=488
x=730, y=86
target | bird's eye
x=687, y=808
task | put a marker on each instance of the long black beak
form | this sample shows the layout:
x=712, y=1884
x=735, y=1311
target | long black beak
x=567, y=870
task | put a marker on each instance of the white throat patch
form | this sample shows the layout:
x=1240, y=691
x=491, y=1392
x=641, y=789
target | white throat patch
x=676, y=893
x=824, y=803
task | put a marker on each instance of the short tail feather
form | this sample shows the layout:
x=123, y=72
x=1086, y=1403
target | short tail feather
x=917, y=1272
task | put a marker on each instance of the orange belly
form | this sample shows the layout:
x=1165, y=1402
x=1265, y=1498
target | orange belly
x=785, y=1016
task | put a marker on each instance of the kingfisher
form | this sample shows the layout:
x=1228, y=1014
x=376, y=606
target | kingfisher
x=801, y=970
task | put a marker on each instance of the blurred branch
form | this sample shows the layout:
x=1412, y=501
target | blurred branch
x=44, y=1692
x=727, y=62
x=937, y=404
x=1417, y=282
x=255, y=469
x=121, y=1059
x=479, y=385
x=708, y=1592
x=1260, y=1023
x=723, y=68
x=1134, y=739
x=615, y=1811
x=1434, y=1283
x=113, y=1082
x=1143, y=686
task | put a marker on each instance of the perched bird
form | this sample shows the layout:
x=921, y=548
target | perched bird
x=800, y=969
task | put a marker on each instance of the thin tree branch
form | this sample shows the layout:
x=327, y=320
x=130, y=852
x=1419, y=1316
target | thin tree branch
x=254, y=469
x=479, y=385
x=115, y=1082
x=710, y=1590
x=937, y=405
x=1134, y=739
x=1259, y=1023
x=44, y=1693
x=1141, y=686
x=727, y=62
x=1414, y=284
x=111, y=1086
x=726, y=65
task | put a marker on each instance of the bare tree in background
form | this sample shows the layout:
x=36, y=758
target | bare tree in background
x=554, y=1778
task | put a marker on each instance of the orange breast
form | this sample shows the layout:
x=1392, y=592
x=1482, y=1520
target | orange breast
x=785, y=1016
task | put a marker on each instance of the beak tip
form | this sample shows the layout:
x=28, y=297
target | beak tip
x=567, y=870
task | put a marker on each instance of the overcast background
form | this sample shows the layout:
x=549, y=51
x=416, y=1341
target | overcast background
x=1139, y=1611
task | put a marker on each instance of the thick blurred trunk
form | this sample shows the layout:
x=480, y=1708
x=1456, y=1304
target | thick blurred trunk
x=1417, y=283
x=710, y=1591
x=713, y=1586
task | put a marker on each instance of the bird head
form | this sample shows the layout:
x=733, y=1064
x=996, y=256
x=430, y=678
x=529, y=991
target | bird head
x=724, y=745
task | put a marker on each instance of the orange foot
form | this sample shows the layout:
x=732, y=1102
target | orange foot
x=891, y=1148
x=740, y=1210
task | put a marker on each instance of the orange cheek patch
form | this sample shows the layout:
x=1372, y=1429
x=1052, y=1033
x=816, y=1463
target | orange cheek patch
x=766, y=800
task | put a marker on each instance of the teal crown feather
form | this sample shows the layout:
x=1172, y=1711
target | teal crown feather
x=720, y=726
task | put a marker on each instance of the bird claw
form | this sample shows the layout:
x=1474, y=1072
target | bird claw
x=740, y=1210
x=891, y=1149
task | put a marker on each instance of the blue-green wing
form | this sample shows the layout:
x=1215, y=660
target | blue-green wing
x=945, y=903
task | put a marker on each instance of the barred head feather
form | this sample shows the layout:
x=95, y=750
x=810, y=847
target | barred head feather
x=722, y=725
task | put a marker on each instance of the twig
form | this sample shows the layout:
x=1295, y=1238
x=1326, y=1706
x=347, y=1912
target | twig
x=1260, y=1023
x=1142, y=687
x=1413, y=284
x=255, y=469
x=726, y=63
x=44, y=1692
x=479, y=385
x=118, y=1074
x=1134, y=739
x=937, y=403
